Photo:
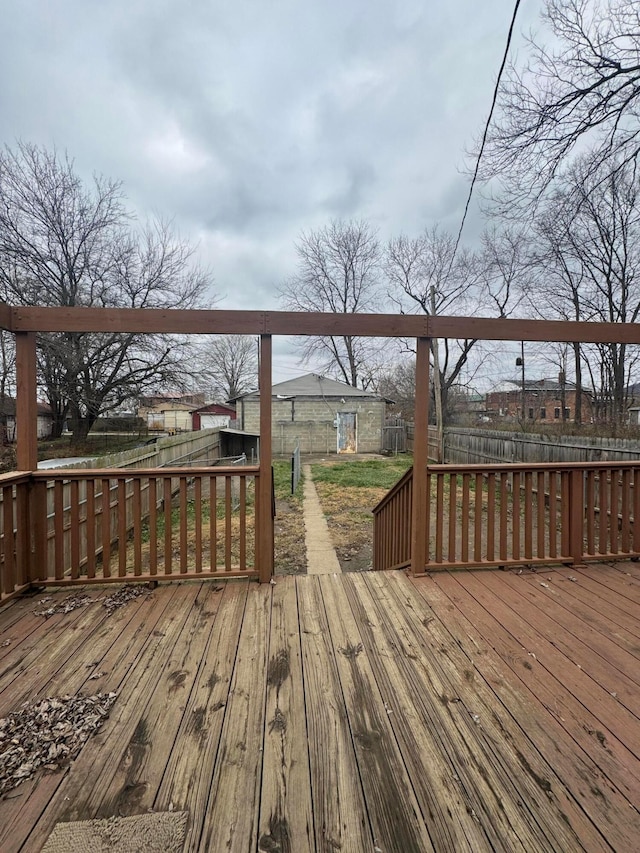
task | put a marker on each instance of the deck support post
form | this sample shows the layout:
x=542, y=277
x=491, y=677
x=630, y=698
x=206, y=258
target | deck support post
x=420, y=496
x=264, y=520
x=27, y=444
x=26, y=404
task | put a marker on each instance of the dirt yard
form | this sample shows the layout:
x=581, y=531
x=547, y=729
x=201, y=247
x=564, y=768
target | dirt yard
x=348, y=489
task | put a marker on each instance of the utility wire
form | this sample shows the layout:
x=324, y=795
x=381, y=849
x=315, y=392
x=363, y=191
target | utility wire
x=486, y=131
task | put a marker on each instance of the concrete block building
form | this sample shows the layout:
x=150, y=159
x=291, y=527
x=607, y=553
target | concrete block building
x=320, y=414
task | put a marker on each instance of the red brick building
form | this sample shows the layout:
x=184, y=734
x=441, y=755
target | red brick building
x=543, y=401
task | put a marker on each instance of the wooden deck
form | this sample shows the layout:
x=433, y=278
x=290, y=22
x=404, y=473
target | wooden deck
x=465, y=711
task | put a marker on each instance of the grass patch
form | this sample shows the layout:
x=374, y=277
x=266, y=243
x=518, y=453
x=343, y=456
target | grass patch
x=282, y=483
x=363, y=474
x=290, y=553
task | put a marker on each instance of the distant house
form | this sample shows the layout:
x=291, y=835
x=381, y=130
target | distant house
x=543, y=401
x=8, y=419
x=169, y=412
x=634, y=416
x=318, y=413
x=213, y=415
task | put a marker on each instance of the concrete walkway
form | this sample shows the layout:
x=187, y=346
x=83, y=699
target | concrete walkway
x=321, y=555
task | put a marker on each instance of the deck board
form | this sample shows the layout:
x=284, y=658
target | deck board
x=231, y=819
x=285, y=802
x=448, y=798
x=188, y=776
x=389, y=794
x=602, y=780
x=507, y=806
x=464, y=711
x=339, y=810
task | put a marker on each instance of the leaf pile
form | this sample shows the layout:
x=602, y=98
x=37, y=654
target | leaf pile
x=71, y=602
x=122, y=596
x=48, y=734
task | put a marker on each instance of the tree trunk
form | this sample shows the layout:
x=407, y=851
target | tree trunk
x=81, y=425
x=577, y=415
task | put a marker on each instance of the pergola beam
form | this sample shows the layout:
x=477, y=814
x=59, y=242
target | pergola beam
x=213, y=322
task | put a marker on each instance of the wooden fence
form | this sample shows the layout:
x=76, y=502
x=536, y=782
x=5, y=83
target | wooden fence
x=501, y=515
x=79, y=526
x=486, y=446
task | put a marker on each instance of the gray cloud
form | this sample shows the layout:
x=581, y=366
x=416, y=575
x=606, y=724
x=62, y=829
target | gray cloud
x=250, y=121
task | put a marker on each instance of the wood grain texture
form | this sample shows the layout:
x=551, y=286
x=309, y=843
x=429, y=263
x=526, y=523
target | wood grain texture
x=576, y=718
x=286, y=822
x=463, y=711
x=77, y=319
x=26, y=403
x=187, y=781
x=339, y=811
x=392, y=806
x=231, y=819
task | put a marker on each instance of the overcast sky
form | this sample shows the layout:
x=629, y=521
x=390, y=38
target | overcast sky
x=250, y=121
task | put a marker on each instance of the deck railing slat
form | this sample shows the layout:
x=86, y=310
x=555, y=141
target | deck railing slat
x=539, y=513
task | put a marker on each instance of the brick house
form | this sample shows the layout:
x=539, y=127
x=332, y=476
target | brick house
x=543, y=402
x=321, y=414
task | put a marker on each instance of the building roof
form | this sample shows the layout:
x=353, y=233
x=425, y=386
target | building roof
x=313, y=385
x=216, y=409
x=512, y=386
x=8, y=408
x=193, y=399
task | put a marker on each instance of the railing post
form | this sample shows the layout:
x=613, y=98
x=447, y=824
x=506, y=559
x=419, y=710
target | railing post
x=419, y=532
x=36, y=538
x=264, y=521
x=576, y=515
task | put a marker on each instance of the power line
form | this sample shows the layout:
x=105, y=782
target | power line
x=486, y=130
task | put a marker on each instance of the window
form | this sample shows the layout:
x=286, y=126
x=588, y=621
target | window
x=531, y=415
x=543, y=413
x=556, y=413
x=567, y=414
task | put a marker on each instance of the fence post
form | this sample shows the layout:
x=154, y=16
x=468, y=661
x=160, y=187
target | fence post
x=576, y=515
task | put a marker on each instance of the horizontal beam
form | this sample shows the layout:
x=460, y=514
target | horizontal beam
x=175, y=321
x=557, y=331
x=6, y=316
x=144, y=473
x=214, y=322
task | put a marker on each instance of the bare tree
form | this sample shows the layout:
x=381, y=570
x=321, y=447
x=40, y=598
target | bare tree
x=338, y=271
x=584, y=89
x=503, y=269
x=426, y=274
x=230, y=365
x=590, y=233
x=63, y=243
x=7, y=365
x=398, y=383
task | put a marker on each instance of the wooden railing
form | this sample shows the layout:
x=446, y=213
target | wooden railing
x=392, y=526
x=500, y=515
x=115, y=525
x=15, y=536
